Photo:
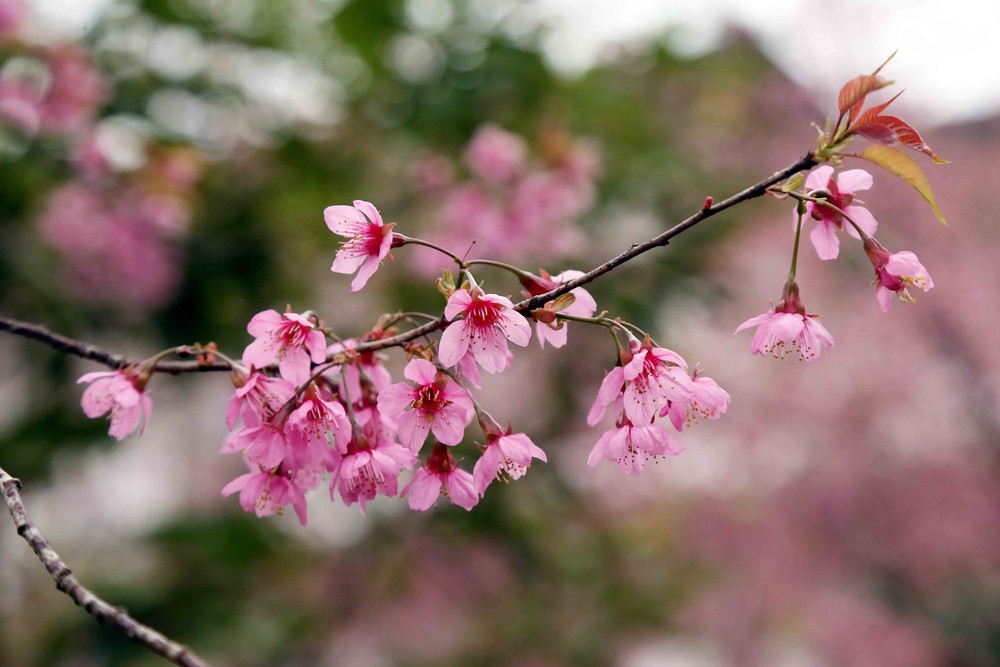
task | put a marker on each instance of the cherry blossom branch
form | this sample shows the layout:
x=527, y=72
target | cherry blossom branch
x=94, y=353
x=807, y=161
x=117, y=617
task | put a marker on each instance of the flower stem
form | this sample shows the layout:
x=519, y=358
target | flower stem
x=601, y=320
x=833, y=207
x=409, y=239
x=801, y=210
x=520, y=273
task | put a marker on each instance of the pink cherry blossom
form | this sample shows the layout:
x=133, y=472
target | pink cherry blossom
x=290, y=339
x=895, y=273
x=779, y=333
x=310, y=426
x=649, y=377
x=487, y=323
x=630, y=446
x=440, y=474
x=583, y=303
x=434, y=403
x=260, y=394
x=787, y=324
x=828, y=222
x=118, y=394
x=708, y=401
x=654, y=376
x=369, y=240
x=265, y=493
x=263, y=442
x=368, y=466
x=507, y=455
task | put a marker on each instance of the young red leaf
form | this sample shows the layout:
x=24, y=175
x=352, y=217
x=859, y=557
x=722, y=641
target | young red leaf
x=872, y=112
x=877, y=132
x=902, y=166
x=890, y=129
x=855, y=90
x=909, y=137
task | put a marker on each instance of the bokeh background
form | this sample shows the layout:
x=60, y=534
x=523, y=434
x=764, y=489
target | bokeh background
x=163, y=169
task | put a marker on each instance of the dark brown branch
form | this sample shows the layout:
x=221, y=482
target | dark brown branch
x=117, y=617
x=100, y=355
x=94, y=353
x=807, y=161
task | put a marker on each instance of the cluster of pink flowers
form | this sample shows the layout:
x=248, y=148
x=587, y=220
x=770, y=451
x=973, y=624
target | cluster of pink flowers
x=786, y=326
x=118, y=240
x=513, y=207
x=650, y=382
x=64, y=104
x=344, y=418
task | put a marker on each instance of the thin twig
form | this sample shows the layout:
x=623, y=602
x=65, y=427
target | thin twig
x=117, y=617
x=70, y=346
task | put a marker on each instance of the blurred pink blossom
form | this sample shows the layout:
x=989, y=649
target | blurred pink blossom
x=120, y=395
x=494, y=154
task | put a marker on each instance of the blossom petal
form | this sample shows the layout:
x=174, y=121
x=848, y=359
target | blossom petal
x=342, y=219
x=866, y=221
x=819, y=177
x=853, y=180
x=454, y=344
x=824, y=239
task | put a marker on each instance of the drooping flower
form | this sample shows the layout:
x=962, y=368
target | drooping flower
x=507, y=455
x=368, y=466
x=369, y=240
x=262, y=441
x=488, y=322
x=631, y=446
x=290, y=339
x=310, y=426
x=708, y=401
x=119, y=394
x=654, y=376
x=787, y=327
x=828, y=222
x=266, y=492
x=434, y=403
x=894, y=273
x=258, y=393
x=583, y=304
x=440, y=474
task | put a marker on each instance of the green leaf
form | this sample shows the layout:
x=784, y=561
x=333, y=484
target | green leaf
x=901, y=165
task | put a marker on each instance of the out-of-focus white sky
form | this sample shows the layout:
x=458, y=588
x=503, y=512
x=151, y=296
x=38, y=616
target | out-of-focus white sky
x=947, y=48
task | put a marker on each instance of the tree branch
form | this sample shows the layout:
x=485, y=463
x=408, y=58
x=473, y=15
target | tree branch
x=87, y=351
x=80, y=349
x=117, y=617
